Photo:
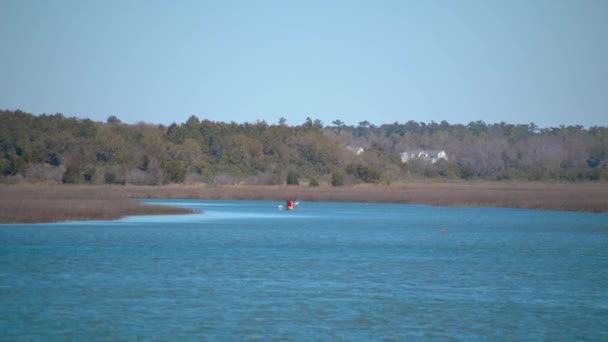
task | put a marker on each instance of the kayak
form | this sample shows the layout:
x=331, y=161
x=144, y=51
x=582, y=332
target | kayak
x=286, y=207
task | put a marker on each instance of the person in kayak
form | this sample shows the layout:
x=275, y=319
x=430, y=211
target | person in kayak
x=289, y=205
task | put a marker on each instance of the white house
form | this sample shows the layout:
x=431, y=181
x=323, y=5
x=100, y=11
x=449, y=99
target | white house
x=431, y=156
x=355, y=150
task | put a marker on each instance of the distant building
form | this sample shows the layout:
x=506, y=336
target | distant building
x=355, y=150
x=431, y=156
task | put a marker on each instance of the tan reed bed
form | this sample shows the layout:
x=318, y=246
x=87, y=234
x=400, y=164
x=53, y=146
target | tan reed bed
x=44, y=203
x=28, y=204
x=590, y=197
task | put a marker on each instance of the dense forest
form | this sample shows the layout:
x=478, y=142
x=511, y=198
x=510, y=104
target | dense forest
x=55, y=148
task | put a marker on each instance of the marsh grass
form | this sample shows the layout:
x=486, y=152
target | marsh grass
x=28, y=204
x=591, y=197
x=48, y=203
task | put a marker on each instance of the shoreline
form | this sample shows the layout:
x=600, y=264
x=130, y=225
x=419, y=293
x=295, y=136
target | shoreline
x=30, y=203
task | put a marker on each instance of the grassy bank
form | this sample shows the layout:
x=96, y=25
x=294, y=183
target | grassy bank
x=46, y=203
x=25, y=204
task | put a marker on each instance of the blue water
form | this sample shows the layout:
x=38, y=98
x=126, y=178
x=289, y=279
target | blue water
x=244, y=270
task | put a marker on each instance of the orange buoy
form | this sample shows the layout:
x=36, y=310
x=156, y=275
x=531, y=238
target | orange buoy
x=443, y=231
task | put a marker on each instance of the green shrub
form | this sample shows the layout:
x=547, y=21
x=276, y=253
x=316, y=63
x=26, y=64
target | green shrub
x=337, y=178
x=313, y=182
x=292, y=178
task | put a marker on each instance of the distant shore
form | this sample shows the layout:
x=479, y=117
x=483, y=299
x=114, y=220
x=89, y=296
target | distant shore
x=51, y=203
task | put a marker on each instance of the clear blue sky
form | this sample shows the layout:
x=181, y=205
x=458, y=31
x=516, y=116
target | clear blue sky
x=384, y=61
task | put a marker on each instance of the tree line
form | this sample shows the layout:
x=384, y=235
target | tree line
x=55, y=148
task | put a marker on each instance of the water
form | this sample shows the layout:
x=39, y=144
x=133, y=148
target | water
x=245, y=270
